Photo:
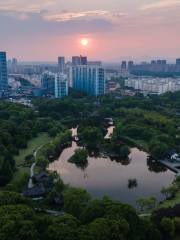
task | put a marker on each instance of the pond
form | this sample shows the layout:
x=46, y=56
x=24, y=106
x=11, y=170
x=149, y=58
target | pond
x=103, y=176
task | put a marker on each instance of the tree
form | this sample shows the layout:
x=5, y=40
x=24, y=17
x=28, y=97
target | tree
x=146, y=204
x=170, y=191
x=124, y=151
x=11, y=198
x=75, y=200
x=94, y=209
x=26, y=231
x=63, y=228
x=92, y=137
x=16, y=222
x=80, y=158
x=168, y=226
x=6, y=172
x=177, y=224
x=148, y=230
x=158, y=149
x=107, y=229
x=42, y=162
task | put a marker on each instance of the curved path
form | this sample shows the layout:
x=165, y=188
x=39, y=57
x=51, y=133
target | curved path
x=30, y=183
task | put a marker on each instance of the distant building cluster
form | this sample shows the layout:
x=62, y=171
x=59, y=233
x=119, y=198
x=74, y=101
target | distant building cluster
x=149, y=85
x=52, y=80
x=156, y=66
x=90, y=77
x=84, y=76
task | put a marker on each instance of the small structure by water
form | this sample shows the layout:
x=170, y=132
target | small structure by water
x=109, y=132
x=174, y=166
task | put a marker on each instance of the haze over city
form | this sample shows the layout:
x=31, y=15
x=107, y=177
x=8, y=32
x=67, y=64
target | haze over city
x=39, y=30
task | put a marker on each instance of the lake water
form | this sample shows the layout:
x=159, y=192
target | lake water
x=106, y=177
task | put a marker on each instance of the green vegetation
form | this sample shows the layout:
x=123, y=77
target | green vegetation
x=80, y=158
x=32, y=145
x=152, y=123
x=154, y=132
x=91, y=137
x=18, y=125
x=171, y=194
x=147, y=204
x=172, y=202
x=21, y=133
x=50, y=151
x=84, y=219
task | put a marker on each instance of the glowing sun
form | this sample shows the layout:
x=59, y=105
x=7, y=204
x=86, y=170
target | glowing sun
x=84, y=42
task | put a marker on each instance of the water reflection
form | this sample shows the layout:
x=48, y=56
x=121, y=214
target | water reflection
x=82, y=166
x=102, y=176
x=155, y=166
x=123, y=162
x=132, y=183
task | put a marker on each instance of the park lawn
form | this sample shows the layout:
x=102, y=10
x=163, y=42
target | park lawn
x=33, y=144
x=172, y=202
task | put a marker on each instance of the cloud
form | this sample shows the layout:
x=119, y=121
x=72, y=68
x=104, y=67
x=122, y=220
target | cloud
x=66, y=16
x=25, y=6
x=161, y=4
x=36, y=27
x=69, y=16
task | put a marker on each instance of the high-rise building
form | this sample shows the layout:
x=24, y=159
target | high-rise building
x=61, y=64
x=178, y=61
x=48, y=82
x=79, y=60
x=14, y=64
x=162, y=62
x=83, y=60
x=3, y=72
x=14, y=61
x=61, y=86
x=153, y=62
x=76, y=60
x=124, y=65
x=130, y=64
x=89, y=79
x=55, y=85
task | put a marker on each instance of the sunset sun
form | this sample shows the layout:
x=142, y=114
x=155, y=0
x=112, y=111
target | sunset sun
x=84, y=42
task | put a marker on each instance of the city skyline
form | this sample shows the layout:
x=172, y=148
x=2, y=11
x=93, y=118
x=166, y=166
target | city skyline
x=117, y=29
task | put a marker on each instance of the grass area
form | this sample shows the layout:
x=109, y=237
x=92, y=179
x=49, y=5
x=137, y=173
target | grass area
x=33, y=144
x=172, y=202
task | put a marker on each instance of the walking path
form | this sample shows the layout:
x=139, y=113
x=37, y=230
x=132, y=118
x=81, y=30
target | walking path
x=30, y=183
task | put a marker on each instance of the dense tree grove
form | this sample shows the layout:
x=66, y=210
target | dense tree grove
x=151, y=123
x=18, y=125
x=85, y=219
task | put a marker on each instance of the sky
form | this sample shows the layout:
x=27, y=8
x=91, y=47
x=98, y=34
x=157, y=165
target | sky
x=41, y=30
